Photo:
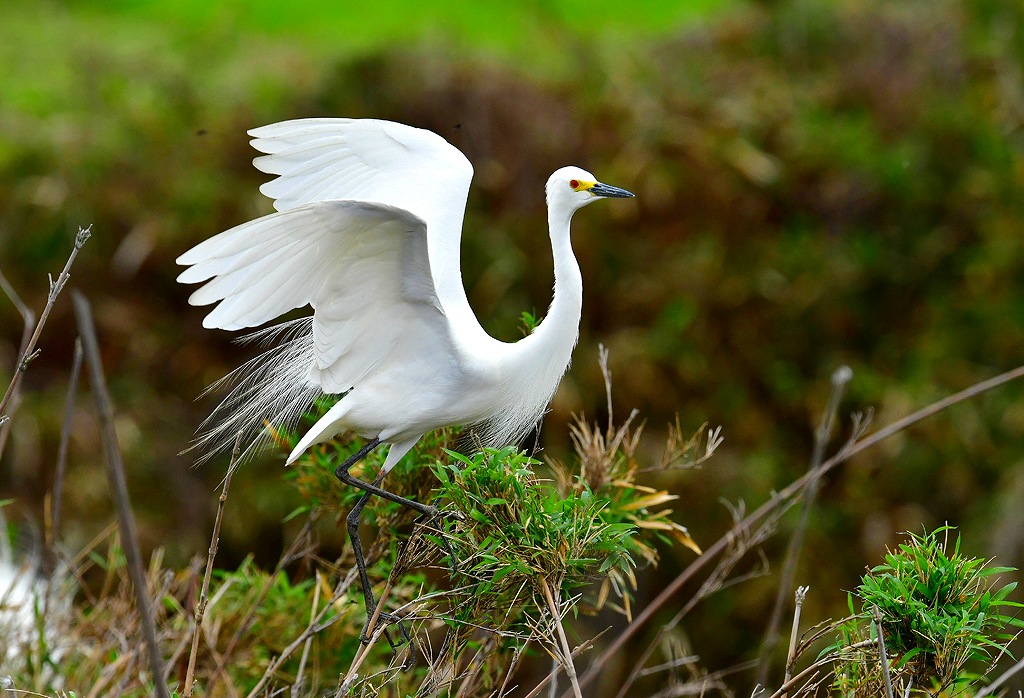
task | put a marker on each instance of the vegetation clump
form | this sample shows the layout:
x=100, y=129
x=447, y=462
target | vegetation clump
x=940, y=613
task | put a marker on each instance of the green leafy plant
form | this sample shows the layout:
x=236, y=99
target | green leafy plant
x=513, y=554
x=940, y=614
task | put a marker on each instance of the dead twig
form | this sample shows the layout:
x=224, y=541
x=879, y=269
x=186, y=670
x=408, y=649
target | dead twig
x=28, y=320
x=741, y=541
x=119, y=487
x=840, y=378
x=801, y=594
x=1006, y=676
x=65, y=439
x=214, y=542
x=813, y=669
x=30, y=352
x=882, y=657
x=309, y=641
x=558, y=667
x=375, y=631
x=566, y=653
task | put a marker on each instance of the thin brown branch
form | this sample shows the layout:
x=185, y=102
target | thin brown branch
x=703, y=684
x=119, y=486
x=554, y=673
x=375, y=631
x=840, y=379
x=309, y=641
x=30, y=352
x=65, y=439
x=813, y=668
x=739, y=544
x=566, y=653
x=882, y=657
x=780, y=498
x=28, y=320
x=997, y=684
x=801, y=594
x=300, y=541
x=606, y=373
x=212, y=553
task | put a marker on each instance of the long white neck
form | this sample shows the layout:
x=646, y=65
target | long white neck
x=562, y=323
x=549, y=349
x=533, y=366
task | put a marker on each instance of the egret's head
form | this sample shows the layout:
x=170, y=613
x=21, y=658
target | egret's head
x=571, y=188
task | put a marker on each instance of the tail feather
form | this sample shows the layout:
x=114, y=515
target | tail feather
x=273, y=389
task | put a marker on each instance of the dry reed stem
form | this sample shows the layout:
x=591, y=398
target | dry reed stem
x=852, y=447
x=882, y=657
x=211, y=554
x=118, y=484
x=840, y=379
x=30, y=352
x=315, y=625
x=309, y=640
x=813, y=669
x=250, y=617
x=798, y=604
x=739, y=545
x=566, y=653
x=555, y=671
x=374, y=634
x=65, y=439
x=1006, y=676
x=28, y=320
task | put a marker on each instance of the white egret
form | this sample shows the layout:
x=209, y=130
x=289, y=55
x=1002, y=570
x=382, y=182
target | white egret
x=367, y=232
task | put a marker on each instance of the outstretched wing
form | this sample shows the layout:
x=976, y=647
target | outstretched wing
x=363, y=267
x=375, y=161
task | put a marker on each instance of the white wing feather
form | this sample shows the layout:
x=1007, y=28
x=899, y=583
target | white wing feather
x=363, y=267
x=378, y=161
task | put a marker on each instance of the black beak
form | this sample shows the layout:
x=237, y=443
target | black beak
x=609, y=191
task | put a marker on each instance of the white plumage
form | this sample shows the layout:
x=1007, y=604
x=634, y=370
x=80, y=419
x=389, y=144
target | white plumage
x=367, y=233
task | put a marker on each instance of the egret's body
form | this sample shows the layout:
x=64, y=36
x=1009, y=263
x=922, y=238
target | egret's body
x=368, y=232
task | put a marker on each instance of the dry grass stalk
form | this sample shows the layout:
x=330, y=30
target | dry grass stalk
x=30, y=333
x=882, y=657
x=65, y=439
x=565, y=656
x=740, y=543
x=801, y=594
x=211, y=555
x=30, y=351
x=840, y=379
x=119, y=485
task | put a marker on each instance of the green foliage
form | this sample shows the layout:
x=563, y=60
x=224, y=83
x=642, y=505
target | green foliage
x=528, y=322
x=523, y=545
x=940, y=616
x=520, y=531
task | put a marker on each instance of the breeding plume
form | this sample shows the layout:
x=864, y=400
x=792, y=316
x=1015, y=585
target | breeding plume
x=367, y=233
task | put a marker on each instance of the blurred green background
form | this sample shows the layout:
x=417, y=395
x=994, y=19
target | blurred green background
x=818, y=183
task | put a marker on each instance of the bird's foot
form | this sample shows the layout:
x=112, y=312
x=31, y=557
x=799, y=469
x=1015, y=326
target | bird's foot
x=385, y=619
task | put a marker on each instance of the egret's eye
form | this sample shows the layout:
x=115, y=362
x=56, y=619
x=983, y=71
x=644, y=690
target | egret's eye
x=574, y=183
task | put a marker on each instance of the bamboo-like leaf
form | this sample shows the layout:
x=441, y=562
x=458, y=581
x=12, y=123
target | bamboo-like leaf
x=649, y=501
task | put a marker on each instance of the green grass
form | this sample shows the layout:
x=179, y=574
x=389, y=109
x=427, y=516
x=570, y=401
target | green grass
x=941, y=612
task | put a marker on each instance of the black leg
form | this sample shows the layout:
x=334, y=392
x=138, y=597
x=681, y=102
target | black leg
x=357, y=548
x=342, y=474
x=352, y=522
